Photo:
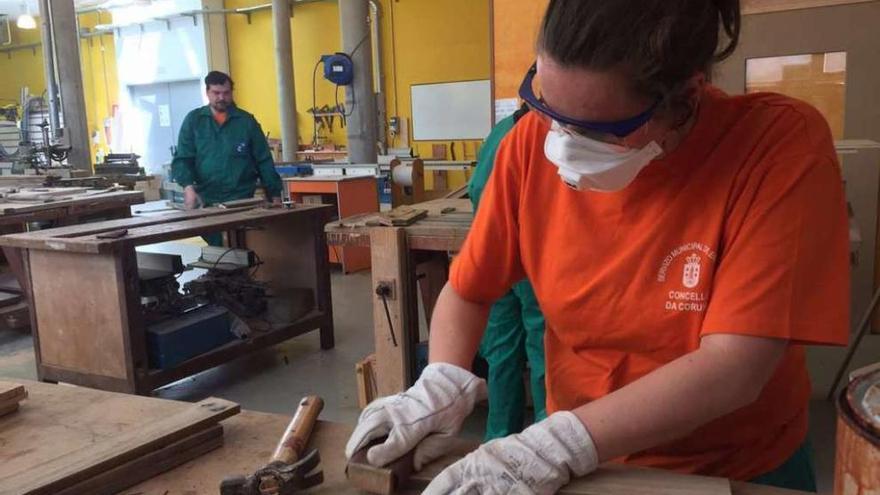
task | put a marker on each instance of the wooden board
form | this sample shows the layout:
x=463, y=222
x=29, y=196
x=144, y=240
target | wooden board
x=392, y=338
x=91, y=341
x=11, y=394
x=365, y=376
x=248, y=442
x=763, y=6
x=64, y=435
x=9, y=207
x=174, y=226
x=149, y=465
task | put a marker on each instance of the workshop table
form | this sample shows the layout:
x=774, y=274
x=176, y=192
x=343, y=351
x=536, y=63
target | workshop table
x=401, y=258
x=89, y=328
x=15, y=216
x=248, y=441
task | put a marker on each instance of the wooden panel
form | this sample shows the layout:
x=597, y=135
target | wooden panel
x=249, y=439
x=287, y=251
x=83, y=463
x=84, y=201
x=390, y=257
x=61, y=430
x=762, y=6
x=76, y=240
x=84, y=333
x=145, y=467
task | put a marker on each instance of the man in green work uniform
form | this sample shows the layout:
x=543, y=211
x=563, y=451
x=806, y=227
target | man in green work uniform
x=222, y=151
x=515, y=331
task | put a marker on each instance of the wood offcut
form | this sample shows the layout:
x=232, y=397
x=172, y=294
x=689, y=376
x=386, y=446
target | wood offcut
x=11, y=394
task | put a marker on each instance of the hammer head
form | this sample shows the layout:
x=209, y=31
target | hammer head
x=277, y=478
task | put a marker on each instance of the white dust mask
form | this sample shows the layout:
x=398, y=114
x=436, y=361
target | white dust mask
x=586, y=163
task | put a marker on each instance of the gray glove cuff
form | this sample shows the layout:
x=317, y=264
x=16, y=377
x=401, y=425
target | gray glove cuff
x=579, y=450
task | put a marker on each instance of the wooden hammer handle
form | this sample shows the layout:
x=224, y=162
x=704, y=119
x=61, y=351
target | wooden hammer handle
x=295, y=438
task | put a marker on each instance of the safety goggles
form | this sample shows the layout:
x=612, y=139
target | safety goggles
x=620, y=129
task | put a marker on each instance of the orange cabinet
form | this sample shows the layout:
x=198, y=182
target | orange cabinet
x=351, y=195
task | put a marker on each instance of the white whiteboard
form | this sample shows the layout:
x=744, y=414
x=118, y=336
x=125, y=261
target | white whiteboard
x=451, y=111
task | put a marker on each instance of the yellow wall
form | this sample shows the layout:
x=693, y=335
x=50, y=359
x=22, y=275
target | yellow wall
x=315, y=28
x=25, y=68
x=100, y=84
x=21, y=68
x=433, y=42
x=423, y=41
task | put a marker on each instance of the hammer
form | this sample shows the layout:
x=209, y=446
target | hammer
x=288, y=471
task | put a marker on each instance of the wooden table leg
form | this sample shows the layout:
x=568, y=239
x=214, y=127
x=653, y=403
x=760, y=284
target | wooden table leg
x=394, y=322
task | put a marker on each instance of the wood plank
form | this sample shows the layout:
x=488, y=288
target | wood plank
x=248, y=440
x=89, y=341
x=392, y=339
x=51, y=476
x=764, y=6
x=145, y=467
x=10, y=391
x=379, y=480
x=62, y=421
x=158, y=232
x=127, y=197
x=365, y=376
x=10, y=396
x=139, y=221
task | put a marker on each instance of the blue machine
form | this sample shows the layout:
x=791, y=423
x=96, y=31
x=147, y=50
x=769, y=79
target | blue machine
x=338, y=68
x=173, y=341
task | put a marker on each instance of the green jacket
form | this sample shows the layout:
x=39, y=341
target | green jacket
x=224, y=162
x=486, y=159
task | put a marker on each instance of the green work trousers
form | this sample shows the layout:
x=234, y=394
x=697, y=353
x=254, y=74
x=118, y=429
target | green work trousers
x=514, y=336
x=797, y=473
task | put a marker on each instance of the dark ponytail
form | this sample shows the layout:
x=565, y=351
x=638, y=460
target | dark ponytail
x=661, y=44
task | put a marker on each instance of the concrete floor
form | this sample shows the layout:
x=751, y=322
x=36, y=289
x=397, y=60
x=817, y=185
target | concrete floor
x=275, y=379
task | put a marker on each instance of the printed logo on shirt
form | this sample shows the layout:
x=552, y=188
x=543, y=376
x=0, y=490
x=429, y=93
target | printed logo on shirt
x=686, y=266
x=241, y=148
x=691, y=276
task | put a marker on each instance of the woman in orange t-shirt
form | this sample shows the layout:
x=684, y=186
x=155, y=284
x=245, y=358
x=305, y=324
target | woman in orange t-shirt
x=684, y=245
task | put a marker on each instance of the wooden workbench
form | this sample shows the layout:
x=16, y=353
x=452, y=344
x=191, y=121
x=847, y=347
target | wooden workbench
x=403, y=257
x=15, y=216
x=87, y=320
x=249, y=438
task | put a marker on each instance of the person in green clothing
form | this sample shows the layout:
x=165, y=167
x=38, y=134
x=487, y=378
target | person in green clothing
x=515, y=330
x=222, y=151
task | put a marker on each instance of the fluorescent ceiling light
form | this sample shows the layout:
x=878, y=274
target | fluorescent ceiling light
x=26, y=21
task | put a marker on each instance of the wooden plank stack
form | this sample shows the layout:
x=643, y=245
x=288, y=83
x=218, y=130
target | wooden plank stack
x=71, y=440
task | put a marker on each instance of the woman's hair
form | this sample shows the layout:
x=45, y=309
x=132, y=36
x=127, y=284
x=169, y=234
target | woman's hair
x=660, y=44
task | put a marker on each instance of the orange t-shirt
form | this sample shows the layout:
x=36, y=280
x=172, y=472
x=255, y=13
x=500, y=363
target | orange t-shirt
x=220, y=117
x=740, y=230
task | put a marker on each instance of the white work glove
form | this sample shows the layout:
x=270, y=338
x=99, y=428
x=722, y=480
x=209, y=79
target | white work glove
x=423, y=418
x=539, y=461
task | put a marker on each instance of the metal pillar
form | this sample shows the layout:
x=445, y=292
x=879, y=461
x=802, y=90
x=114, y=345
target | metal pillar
x=49, y=67
x=360, y=101
x=73, y=102
x=284, y=76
